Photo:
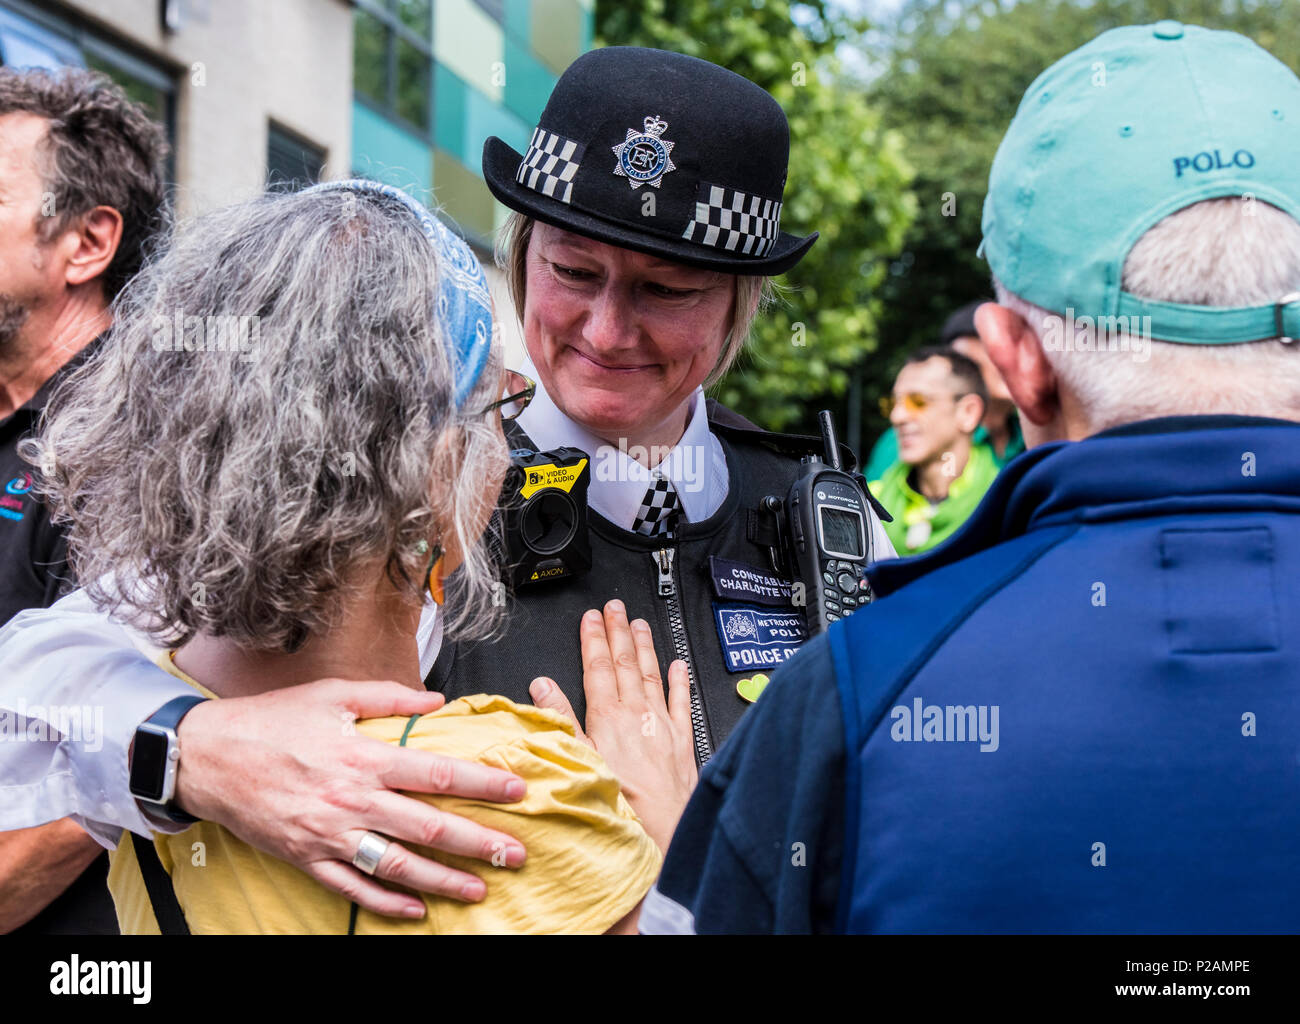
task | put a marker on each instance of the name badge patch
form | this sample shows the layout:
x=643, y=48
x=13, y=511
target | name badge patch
x=736, y=581
x=755, y=637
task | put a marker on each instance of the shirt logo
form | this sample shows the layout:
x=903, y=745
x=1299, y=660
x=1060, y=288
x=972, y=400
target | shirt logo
x=643, y=157
x=1215, y=161
x=10, y=506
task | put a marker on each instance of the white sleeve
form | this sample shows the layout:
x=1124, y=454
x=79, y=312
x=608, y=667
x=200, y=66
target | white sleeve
x=73, y=689
x=881, y=546
x=428, y=636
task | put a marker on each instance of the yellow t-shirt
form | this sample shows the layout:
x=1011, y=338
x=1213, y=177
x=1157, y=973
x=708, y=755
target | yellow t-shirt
x=589, y=861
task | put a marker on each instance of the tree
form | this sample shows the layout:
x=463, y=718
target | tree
x=955, y=73
x=847, y=179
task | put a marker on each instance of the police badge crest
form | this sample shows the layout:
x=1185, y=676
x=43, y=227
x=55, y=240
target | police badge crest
x=643, y=157
x=740, y=626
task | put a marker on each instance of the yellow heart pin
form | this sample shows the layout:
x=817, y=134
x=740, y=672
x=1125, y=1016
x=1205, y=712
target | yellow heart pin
x=752, y=688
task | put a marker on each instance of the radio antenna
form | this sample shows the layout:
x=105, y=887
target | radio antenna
x=829, y=440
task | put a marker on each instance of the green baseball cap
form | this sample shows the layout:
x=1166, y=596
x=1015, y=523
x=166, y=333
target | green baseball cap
x=1112, y=138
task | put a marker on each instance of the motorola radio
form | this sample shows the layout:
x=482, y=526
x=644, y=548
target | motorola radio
x=824, y=534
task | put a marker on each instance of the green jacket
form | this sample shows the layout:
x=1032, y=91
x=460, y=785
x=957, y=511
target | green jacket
x=919, y=525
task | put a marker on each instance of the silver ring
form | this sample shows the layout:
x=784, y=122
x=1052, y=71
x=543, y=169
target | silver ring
x=370, y=851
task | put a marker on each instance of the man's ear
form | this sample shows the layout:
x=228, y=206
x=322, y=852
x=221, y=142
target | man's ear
x=970, y=412
x=97, y=237
x=1017, y=353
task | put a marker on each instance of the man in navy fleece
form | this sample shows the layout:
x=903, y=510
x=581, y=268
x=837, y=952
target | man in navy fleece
x=1123, y=760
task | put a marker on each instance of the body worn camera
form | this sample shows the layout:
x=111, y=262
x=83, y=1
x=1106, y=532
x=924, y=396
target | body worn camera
x=824, y=535
x=541, y=527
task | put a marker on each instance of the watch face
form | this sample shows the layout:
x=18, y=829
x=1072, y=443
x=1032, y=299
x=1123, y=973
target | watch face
x=149, y=764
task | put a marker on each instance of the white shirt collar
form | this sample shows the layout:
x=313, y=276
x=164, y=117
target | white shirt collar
x=696, y=465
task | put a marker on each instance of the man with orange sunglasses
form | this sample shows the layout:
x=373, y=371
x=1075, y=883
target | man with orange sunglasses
x=940, y=476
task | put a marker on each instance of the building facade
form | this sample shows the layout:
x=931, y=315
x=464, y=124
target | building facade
x=240, y=84
x=262, y=94
x=434, y=78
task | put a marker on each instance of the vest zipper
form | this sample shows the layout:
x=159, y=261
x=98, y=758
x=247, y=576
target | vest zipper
x=664, y=559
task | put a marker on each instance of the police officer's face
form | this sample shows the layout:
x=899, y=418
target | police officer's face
x=621, y=339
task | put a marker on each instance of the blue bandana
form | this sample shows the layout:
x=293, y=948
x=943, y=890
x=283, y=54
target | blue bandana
x=464, y=308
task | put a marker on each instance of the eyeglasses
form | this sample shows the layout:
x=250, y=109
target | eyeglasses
x=914, y=402
x=519, y=392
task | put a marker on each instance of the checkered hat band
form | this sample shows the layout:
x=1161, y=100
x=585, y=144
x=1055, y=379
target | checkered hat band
x=550, y=164
x=656, y=515
x=727, y=218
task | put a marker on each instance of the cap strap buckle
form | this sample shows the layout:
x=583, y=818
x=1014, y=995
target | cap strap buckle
x=1285, y=300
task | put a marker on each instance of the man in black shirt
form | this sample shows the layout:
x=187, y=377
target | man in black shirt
x=81, y=195
x=32, y=548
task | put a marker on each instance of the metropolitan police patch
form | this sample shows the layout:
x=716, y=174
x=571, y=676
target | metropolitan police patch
x=643, y=157
x=757, y=637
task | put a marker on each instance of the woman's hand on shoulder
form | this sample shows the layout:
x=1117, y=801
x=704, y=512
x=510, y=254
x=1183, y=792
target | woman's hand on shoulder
x=646, y=740
x=287, y=772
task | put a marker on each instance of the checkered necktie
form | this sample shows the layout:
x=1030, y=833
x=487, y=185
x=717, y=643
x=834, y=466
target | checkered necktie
x=660, y=509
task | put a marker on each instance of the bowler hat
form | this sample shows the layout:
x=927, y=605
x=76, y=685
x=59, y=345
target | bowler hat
x=661, y=153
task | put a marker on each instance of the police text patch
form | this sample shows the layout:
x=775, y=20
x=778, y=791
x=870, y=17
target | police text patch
x=757, y=637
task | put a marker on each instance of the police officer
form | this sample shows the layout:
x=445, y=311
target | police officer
x=645, y=227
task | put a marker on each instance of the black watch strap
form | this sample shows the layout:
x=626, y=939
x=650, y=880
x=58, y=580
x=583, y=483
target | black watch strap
x=166, y=717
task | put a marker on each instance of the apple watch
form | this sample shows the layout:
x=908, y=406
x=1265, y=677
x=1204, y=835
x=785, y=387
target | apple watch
x=155, y=758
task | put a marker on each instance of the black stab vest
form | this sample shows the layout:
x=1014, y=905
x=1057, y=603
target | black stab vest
x=541, y=634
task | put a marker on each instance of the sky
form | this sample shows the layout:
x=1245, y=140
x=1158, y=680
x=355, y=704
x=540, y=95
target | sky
x=878, y=13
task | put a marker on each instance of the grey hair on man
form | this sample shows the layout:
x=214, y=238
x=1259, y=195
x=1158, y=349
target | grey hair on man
x=753, y=293
x=235, y=490
x=1218, y=252
x=101, y=150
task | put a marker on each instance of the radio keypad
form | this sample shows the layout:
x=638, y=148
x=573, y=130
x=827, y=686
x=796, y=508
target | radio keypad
x=845, y=590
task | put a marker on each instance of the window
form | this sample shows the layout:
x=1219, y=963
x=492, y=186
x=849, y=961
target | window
x=30, y=37
x=392, y=58
x=25, y=44
x=292, y=163
x=142, y=83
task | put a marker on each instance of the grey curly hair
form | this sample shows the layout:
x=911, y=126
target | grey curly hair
x=235, y=489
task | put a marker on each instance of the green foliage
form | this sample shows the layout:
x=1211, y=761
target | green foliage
x=955, y=72
x=848, y=180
